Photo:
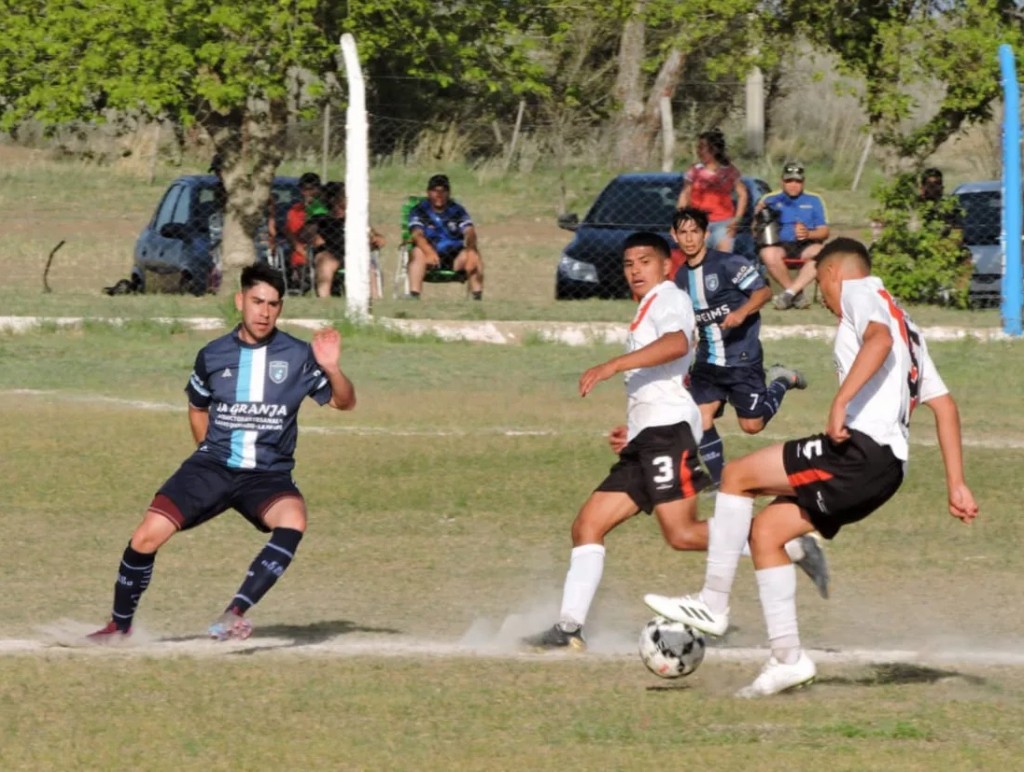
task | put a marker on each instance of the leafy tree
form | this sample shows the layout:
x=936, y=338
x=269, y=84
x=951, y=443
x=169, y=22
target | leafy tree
x=237, y=67
x=918, y=253
x=902, y=47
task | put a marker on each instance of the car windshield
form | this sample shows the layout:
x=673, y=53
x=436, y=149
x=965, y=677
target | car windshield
x=982, y=217
x=632, y=204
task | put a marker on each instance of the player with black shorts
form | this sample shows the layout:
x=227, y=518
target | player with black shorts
x=829, y=480
x=658, y=469
x=728, y=293
x=244, y=396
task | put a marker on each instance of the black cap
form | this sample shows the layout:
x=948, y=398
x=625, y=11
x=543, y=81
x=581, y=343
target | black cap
x=931, y=173
x=793, y=171
x=439, y=181
x=309, y=179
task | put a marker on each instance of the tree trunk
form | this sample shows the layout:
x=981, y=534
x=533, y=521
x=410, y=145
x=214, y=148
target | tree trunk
x=629, y=88
x=250, y=144
x=640, y=120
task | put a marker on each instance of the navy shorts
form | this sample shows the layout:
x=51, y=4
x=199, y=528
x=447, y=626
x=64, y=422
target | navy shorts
x=795, y=249
x=659, y=465
x=839, y=484
x=742, y=387
x=446, y=254
x=203, y=488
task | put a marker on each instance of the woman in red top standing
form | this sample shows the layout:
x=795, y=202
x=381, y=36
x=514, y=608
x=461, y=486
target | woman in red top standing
x=709, y=185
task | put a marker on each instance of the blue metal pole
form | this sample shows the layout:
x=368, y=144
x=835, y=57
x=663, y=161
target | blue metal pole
x=1011, y=236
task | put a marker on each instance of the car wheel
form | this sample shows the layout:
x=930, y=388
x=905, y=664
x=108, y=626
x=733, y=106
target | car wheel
x=189, y=285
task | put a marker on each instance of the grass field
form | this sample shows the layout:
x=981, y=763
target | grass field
x=439, y=534
x=440, y=511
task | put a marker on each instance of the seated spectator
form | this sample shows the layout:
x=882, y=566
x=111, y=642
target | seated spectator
x=936, y=206
x=327, y=235
x=443, y=236
x=803, y=227
x=295, y=221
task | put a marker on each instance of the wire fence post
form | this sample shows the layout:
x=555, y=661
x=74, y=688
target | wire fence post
x=1011, y=235
x=357, y=187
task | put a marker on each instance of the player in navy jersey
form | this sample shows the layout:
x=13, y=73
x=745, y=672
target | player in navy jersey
x=443, y=236
x=727, y=293
x=830, y=480
x=244, y=395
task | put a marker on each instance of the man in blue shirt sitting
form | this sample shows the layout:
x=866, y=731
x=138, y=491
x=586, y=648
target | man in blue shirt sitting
x=443, y=237
x=803, y=230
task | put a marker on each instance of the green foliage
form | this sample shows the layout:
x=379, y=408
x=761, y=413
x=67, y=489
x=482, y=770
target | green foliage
x=944, y=47
x=918, y=254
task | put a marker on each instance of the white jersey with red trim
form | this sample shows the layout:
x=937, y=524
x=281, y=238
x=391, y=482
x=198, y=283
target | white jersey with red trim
x=657, y=396
x=907, y=377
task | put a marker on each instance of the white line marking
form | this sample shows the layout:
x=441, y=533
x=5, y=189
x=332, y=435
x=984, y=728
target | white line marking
x=390, y=647
x=985, y=443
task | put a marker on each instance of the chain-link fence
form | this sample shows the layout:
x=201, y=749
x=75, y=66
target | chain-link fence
x=548, y=197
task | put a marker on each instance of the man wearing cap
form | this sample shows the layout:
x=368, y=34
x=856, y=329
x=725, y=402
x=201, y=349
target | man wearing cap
x=443, y=237
x=803, y=227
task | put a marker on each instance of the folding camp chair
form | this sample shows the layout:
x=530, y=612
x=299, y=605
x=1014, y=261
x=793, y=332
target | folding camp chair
x=435, y=275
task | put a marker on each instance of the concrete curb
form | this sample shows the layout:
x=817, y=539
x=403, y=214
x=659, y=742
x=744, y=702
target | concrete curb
x=507, y=333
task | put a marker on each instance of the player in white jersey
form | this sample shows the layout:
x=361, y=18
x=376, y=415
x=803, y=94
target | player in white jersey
x=658, y=467
x=827, y=480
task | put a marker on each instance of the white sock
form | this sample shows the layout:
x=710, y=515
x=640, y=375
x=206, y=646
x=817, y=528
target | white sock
x=776, y=587
x=586, y=564
x=795, y=549
x=728, y=533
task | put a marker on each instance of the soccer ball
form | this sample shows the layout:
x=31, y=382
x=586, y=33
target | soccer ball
x=671, y=649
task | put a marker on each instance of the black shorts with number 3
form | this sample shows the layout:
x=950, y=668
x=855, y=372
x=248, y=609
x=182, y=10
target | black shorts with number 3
x=840, y=483
x=659, y=465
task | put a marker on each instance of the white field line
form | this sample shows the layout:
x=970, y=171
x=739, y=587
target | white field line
x=568, y=333
x=389, y=647
x=985, y=443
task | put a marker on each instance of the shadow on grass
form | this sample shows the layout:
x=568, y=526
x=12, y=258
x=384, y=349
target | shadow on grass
x=899, y=673
x=301, y=635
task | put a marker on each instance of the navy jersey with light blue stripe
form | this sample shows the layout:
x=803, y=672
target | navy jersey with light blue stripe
x=719, y=285
x=253, y=394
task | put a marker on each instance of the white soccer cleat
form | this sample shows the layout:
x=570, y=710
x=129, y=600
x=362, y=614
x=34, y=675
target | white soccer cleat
x=690, y=610
x=777, y=677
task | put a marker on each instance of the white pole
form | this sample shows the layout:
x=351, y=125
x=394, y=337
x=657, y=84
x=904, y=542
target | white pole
x=755, y=112
x=515, y=135
x=357, y=186
x=668, y=135
x=863, y=160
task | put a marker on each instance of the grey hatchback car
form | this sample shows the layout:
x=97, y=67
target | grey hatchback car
x=982, y=210
x=181, y=242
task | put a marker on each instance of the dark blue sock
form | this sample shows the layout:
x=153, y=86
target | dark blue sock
x=712, y=453
x=773, y=399
x=133, y=577
x=268, y=566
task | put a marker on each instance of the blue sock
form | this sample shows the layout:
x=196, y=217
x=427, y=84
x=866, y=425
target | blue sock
x=133, y=577
x=773, y=399
x=268, y=566
x=712, y=454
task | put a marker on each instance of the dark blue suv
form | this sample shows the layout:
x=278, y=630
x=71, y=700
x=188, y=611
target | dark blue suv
x=182, y=239
x=591, y=265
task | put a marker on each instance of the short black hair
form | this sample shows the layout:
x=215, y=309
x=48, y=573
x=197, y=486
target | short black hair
x=697, y=216
x=309, y=179
x=844, y=246
x=333, y=192
x=260, y=272
x=439, y=181
x=648, y=239
x=931, y=173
